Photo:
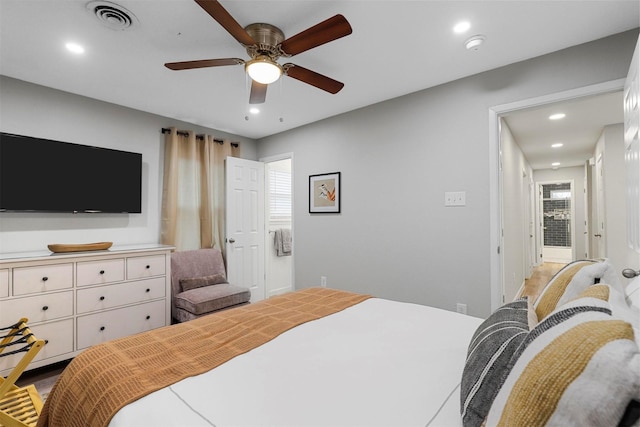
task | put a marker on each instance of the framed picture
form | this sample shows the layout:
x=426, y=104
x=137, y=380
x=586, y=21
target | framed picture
x=324, y=193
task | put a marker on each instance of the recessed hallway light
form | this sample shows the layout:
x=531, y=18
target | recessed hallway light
x=74, y=48
x=555, y=164
x=254, y=110
x=461, y=27
x=557, y=145
x=557, y=116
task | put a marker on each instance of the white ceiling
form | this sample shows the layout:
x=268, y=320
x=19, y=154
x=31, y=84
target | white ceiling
x=397, y=47
x=578, y=131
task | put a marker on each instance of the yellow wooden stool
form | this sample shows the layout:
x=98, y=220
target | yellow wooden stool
x=19, y=406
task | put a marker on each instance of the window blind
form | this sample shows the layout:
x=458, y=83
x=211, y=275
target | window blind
x=279, y=195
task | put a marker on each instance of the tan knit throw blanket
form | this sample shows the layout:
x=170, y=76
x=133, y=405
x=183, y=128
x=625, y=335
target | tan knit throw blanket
x=106, y=377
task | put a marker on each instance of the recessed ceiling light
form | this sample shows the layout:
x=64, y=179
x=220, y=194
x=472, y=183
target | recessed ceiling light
x=557, y=116
x=461, y=27
x=254, y=110
x=555, y=164
x=557, y=145
x=74, y=47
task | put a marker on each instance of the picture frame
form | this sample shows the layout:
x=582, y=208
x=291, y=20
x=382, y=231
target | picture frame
x=324, y=193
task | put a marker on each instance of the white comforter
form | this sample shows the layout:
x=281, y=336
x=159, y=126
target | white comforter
x=378, y=363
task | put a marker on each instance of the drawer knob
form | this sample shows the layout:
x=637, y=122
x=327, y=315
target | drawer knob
x=148, y=290
x=101, y=298
x=45, y=278
x=148, y=267
x=45, y=308
x=101, y=271
x=101, y=328
x=148, y=317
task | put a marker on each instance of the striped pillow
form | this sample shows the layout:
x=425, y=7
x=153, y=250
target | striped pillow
x=620, y=309
x=579, y=367
x=570, y=281
x=491, y=348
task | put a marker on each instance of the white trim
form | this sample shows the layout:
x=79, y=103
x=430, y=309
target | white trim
x=539, y=220
x=275, y=158
x=495, y=187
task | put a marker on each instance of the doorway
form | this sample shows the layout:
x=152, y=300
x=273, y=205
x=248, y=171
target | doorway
x=499, y=217
x=279, y=251
x=556, y=213
x=259, y=201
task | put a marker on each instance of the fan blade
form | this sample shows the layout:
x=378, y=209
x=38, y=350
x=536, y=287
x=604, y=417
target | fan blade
x=203, y=63
x=258, y=93
x=220, y=14
x=324, y=32
x=314, y=79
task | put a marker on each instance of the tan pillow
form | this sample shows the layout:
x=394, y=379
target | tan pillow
x=569, y=282
x=199, y=282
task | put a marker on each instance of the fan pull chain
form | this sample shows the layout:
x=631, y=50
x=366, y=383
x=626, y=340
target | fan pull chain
x=281, y=97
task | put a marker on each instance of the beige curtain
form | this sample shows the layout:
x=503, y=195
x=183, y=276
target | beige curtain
x=193, y=205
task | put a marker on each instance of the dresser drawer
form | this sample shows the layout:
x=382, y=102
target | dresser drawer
x=100, y=272
x=103, y=297
x=145, y=266
x=4, y=283
x=43, y=278
x=58, y=337
x=99, y=327
x=39, y=308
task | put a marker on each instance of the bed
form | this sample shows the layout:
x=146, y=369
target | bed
x=338, y=359
x=324, y=357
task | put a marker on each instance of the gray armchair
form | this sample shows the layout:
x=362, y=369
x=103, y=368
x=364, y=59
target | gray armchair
x=199, y=285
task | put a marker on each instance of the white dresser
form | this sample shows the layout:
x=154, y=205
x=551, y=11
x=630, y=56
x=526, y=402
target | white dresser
x=78, y=299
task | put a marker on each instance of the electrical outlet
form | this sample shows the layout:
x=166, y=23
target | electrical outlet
x=461, y=308
x=323, y=281
x=455, y=198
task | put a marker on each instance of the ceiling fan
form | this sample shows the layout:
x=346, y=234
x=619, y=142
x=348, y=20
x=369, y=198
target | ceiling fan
x=265, y=43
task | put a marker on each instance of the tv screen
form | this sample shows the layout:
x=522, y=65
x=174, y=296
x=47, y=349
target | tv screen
x=39, y=174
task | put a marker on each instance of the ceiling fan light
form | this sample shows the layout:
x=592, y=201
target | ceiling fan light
x=263, y=70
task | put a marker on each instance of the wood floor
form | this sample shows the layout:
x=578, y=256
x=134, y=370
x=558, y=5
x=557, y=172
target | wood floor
x=540, y=277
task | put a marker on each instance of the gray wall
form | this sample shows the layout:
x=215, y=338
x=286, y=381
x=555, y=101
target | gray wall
x=33, y=110
x=395, y=238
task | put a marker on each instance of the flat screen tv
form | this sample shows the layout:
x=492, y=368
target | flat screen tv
x=41, y=175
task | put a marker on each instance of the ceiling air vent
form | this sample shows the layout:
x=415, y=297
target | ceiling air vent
x=112, y=15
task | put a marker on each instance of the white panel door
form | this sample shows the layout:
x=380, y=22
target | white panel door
x=632, y=150
x=245, y=225
x=587, y=213
x=599, y=220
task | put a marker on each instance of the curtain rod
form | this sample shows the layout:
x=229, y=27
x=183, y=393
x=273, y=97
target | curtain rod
x=185, y=133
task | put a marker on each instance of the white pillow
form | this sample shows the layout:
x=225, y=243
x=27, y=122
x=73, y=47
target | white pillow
x=632, y=293
x=632, y=298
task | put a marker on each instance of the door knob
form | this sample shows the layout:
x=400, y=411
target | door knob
x=630, y=273
x=232, y=240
